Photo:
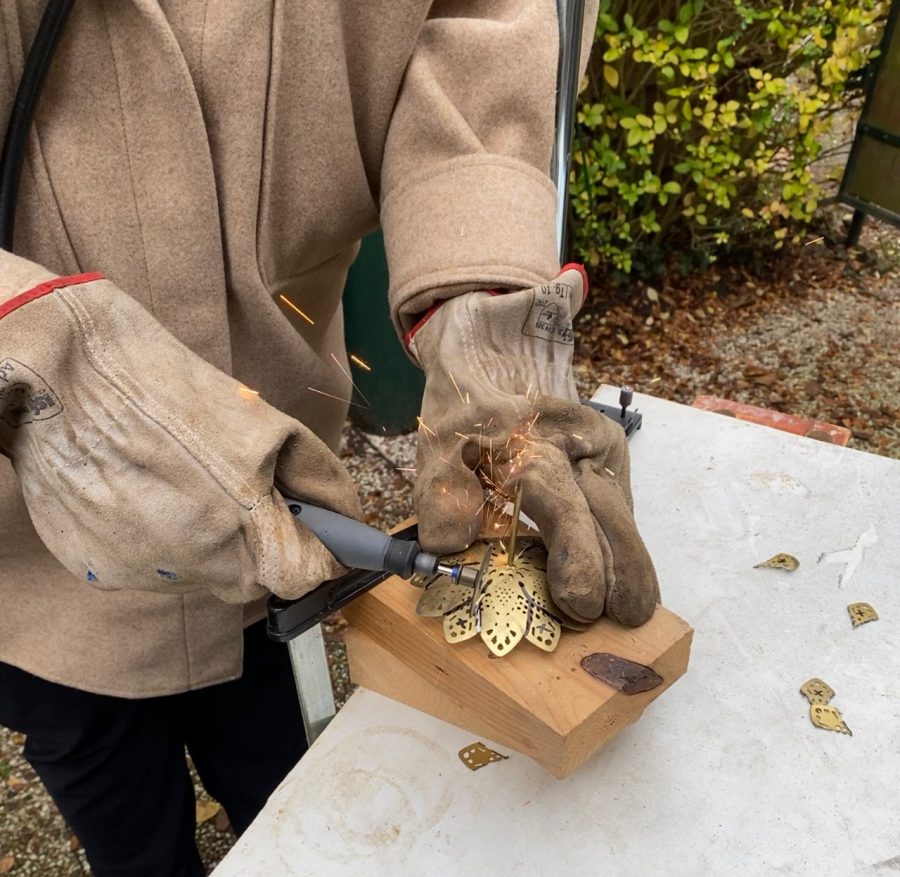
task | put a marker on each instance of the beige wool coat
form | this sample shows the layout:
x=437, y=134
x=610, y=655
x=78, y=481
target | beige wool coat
x=211, y=156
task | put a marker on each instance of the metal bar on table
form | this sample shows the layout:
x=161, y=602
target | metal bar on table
x=310, y=665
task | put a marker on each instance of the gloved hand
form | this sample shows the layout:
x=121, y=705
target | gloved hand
x=500, y=396
x=142, y=465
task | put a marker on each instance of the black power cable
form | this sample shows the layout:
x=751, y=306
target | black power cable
x=40, y=56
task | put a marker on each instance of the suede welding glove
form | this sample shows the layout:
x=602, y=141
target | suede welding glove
x=500, y=397
x=142, y=465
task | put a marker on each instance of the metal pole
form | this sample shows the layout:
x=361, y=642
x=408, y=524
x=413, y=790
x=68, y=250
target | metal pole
x=571, y=24
x=856, y=227
x=313, y=681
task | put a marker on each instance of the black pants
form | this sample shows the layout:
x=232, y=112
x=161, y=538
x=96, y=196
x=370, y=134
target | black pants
x=116, y=768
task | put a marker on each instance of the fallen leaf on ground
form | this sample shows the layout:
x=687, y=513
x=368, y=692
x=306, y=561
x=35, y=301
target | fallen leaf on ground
x=222, y=822
x=7, y=863
x=206, y=810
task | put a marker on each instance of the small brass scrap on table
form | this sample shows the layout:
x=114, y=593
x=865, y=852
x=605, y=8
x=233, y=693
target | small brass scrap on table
x=477, y=755
x=626, y=676
x=817, y=691
x=821, y=713
x=825, y=716
x=780, y=561
x=861, y=613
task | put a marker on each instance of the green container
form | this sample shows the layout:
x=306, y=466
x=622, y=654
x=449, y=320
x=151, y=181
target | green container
x=389, y=397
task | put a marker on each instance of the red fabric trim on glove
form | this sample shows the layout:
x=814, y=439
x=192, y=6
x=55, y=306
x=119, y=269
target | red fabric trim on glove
x=45, y=289
x=408, y=337
x=584, y=278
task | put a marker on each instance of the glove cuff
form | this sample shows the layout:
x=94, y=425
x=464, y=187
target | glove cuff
x=409, y=337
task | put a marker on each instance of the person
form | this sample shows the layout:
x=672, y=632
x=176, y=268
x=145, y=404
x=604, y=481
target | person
x=198, y=176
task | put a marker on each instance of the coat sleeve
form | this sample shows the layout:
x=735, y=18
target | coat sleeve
x=467, y=201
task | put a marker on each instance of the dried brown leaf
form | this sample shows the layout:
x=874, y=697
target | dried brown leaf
x=626, y=676
x=206, y=810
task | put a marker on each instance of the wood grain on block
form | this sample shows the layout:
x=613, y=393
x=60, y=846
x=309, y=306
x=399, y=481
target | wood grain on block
x=542, y=705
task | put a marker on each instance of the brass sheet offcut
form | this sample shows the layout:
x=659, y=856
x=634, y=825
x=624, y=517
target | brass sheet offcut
x=824, y=715
x=780, y=561
x=817, y=691
x=477, y=755
x=861, y=613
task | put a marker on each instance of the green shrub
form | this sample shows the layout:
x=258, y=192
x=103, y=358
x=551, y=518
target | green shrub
x=700, y=122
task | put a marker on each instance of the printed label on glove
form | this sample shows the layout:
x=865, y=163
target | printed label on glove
x=550, y=314
x=24, y=395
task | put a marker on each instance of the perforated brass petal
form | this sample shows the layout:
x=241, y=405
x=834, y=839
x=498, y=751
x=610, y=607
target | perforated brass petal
x=827, y=717
x=517, y=598
x=817, y=691
x=460, y=624
x=515, y=603
x=441, y=595
x=780, y=561
x=503, y=610
x=861, y=613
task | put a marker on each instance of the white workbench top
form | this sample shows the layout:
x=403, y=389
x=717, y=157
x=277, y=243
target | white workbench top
x=724, y=774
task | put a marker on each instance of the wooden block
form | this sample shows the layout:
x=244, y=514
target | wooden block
x=542, y=705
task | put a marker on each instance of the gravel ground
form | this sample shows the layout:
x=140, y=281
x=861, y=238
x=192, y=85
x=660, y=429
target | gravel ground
x=819, y=336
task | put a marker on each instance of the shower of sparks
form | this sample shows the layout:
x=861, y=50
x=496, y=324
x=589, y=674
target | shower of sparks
x=246, y=393
x=609, y=472
x=332, y=396
x=294, y=307
x=346, y=374
x=426, y=427
x=817, y=240
x=363, y=365
x=576, y=436
x=463, y=399
x=405, y=469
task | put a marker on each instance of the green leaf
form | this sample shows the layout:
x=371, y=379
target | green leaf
x=634, y=137
x=682, y=32
x=686, y=13
x=672, y=188
x=611, y=75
